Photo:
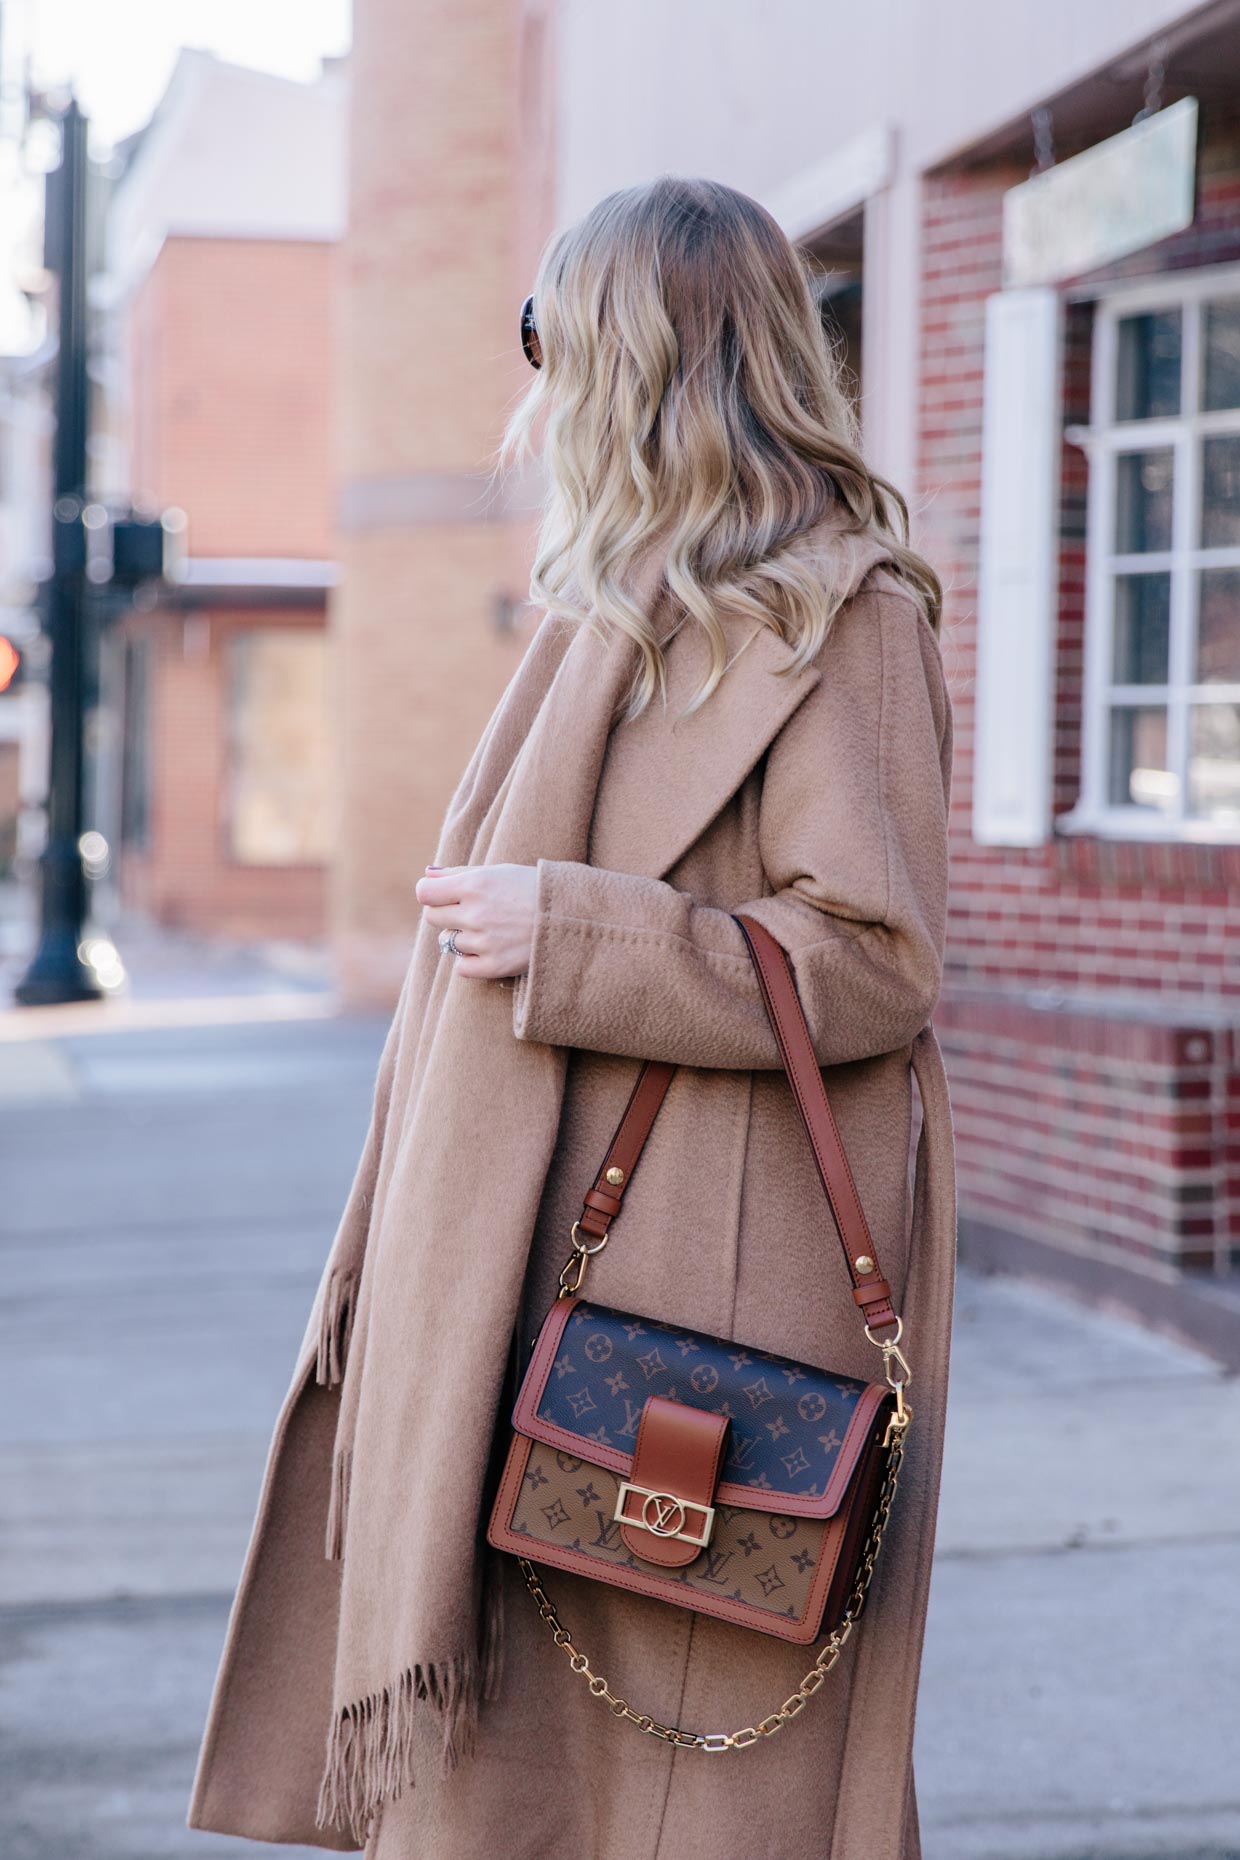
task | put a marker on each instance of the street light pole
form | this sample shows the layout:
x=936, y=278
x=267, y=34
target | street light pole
x=57, y=971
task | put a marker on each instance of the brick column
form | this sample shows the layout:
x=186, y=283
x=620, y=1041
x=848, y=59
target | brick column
x=448, y=202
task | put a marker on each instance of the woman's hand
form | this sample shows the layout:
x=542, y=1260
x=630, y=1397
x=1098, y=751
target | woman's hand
x=492, y=906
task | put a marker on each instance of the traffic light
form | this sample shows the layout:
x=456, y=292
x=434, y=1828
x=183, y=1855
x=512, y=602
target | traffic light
x=146, y=547
x=12, y=663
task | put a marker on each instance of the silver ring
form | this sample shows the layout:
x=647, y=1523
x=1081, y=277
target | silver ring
x=447, y=943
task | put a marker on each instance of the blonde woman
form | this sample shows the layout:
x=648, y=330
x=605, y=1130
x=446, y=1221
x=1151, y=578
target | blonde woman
x=734, y=701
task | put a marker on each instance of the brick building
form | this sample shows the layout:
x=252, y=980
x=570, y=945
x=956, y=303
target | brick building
x=1094, y=969
x=217, y=785
x=1071, y=448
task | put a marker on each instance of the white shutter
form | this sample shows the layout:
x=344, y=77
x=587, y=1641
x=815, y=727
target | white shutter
x=1018, y=570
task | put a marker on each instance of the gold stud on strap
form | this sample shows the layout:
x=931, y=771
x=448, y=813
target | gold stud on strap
x=863, y=1263
x=614, y=1176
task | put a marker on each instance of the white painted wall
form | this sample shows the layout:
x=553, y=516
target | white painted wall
x=780, y=99
x=231, y=153
x=752, y=94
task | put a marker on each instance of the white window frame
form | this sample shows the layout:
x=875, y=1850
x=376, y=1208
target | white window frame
x=1104, y=440
x=1017, y=567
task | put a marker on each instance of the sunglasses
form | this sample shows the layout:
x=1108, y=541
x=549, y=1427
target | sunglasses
x=529, y=335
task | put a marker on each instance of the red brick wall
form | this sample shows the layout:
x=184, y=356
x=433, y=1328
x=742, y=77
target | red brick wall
x=1075, y=1125
x=230, y=355
x=1111, y=1136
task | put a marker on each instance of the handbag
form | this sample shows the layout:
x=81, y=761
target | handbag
x=715, y=1476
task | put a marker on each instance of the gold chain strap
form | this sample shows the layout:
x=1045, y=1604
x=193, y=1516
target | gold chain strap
x=774, y=1721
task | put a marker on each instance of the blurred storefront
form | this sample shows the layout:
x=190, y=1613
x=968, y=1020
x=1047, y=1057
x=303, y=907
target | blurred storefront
x=215, y=783
x=25, y=546
x=1066, y=419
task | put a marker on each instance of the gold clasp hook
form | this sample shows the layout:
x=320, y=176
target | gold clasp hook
x=573, y=1271
x=898, y=1376
x=895, y=1367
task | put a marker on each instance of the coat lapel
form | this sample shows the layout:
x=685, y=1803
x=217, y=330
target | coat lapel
x=666, y=776
x=637, y=793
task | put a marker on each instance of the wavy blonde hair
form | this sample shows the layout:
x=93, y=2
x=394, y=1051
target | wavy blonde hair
x=693, y=403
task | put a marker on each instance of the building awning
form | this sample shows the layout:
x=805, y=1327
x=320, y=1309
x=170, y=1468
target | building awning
x=250, y=581
x=1199, y=55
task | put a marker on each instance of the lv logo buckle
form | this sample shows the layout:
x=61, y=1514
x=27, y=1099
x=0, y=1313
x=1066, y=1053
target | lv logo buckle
x=664, y=1515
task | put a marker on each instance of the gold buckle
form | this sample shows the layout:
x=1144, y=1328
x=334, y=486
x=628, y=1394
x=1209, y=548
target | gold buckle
x=665, y=1515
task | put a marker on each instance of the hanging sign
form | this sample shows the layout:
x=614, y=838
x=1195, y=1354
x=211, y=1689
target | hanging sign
x=1098, y=206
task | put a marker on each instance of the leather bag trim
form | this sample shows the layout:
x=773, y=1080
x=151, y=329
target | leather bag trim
x=527, y=1421
x=800, y=1632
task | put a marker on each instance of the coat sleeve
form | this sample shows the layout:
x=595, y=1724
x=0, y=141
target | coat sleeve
x=853, y=842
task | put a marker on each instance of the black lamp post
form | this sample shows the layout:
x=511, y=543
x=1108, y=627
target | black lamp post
x=58, y=971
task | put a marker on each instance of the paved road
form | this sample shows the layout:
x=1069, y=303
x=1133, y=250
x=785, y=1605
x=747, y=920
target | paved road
x=168, y=1193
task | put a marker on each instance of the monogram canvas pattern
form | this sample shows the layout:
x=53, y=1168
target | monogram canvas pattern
x=755, y=1557
x=788, y=1420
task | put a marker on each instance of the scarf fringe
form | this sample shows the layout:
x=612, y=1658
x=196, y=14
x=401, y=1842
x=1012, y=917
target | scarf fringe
x=336, y=1327
x=370, y=1746
x=338, y=1505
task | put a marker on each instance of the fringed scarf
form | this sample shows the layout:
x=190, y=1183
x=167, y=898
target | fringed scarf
x=441, y=1214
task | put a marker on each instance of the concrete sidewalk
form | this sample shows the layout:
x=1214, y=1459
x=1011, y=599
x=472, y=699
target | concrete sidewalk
x=1081, y=1688
x=158, y=963
x=169, y=1192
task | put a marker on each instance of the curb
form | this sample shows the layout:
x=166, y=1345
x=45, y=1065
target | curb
x=1198, y=1312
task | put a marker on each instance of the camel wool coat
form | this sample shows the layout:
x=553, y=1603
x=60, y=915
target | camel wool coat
x=816, y=802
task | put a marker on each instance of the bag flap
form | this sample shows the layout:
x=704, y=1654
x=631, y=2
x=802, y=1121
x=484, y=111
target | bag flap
x=796, y=1432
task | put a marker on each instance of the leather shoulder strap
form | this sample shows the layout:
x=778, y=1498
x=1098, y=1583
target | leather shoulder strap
x=796, y=1049
x=606, y=1193
x=787, y=1017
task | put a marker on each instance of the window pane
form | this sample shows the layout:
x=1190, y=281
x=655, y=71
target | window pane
x=278, y=746
x=1220, y=491
x=1143, y=501
x=1147, y=376
x=1142, y=629
x=1139, y=773
x=1214, y=763
x=1218, y=627
x=1221, y=384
